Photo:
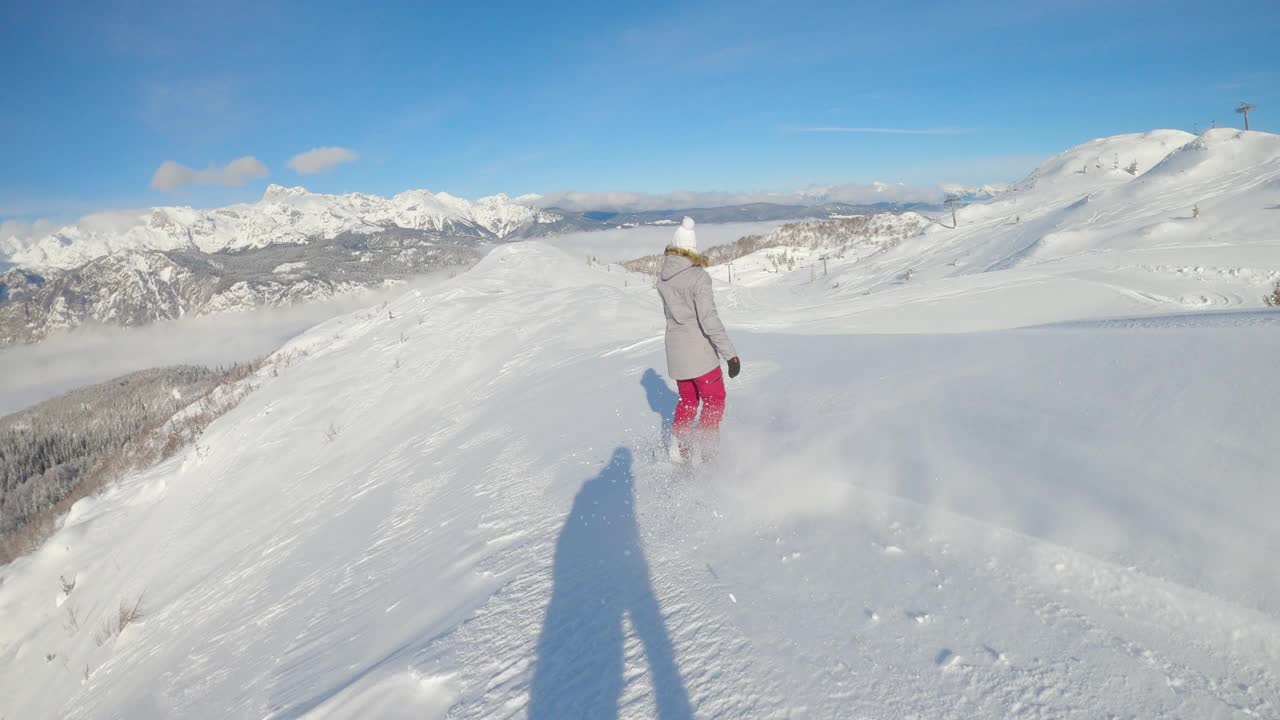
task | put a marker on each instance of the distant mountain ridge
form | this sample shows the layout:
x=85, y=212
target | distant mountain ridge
x=293, y=215
x=142, y=286
x=292, y=245
x=287, y=216
x=162, y=263
x=976, y=193
x=749, y=212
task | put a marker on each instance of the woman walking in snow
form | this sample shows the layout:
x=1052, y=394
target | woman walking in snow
x=696, y=340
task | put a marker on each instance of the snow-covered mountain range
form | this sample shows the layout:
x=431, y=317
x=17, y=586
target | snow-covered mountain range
x=138, y=287
x=286, y=216
x=293, y=215
x=975, y=193
x=131, y=268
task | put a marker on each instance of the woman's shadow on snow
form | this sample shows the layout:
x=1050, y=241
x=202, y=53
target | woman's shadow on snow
x=661, y=400
x=600, y=573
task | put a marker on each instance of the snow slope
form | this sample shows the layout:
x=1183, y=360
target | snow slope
x=283, y=215
x=452, y=509
x=1101, y=243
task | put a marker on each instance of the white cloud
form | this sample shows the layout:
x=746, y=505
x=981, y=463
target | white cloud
x=19, y=236
x=15, y=234
x=876, y=192
x=884, y=130
x=94, y=353
x=853, y=193
x=318, y=160
x=171, y=175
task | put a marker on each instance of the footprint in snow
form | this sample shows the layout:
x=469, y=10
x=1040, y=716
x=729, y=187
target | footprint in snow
x=997, y=657
x=919, y=616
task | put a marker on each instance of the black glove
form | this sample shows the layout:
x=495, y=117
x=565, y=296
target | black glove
x=735, y=367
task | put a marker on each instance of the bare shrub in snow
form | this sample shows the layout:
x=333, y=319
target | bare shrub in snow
x=126, y=614
x=129, y=614
x=649, y=264
x=332, y=432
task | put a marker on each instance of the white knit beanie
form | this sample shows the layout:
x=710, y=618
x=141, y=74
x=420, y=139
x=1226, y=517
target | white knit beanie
x=685, y=237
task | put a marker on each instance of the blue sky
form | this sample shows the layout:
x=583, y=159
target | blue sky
x=476, y=98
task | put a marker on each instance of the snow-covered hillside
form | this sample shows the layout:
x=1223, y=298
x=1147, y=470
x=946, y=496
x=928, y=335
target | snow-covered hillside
x=1194, y=229
x=1023, y=480
x=1105, y=161
x=454, y=509
x=283, y=215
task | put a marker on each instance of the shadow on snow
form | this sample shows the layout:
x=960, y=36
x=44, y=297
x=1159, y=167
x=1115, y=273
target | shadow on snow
x=600, y=573
x=662, y=400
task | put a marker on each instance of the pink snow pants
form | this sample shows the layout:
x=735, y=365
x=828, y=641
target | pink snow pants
x=709, y=389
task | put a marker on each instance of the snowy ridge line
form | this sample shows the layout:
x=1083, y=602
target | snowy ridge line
x=293, y=216
x=282, y=216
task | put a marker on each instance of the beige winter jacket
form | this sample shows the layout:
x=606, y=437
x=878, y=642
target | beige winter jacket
x=695, y=335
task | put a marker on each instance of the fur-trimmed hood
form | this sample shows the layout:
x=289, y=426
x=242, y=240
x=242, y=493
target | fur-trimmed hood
x=692, y=255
